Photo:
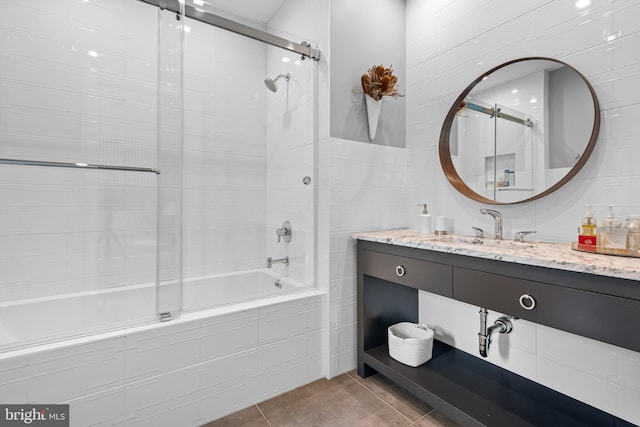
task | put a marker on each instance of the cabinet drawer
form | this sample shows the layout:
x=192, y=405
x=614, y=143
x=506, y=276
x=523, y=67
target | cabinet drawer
x=598, y=316
x=419, y=274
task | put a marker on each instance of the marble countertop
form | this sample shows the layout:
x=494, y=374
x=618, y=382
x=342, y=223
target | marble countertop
x=551, y=255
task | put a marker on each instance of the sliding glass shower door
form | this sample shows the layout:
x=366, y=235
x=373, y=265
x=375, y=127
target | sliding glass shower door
x=78, y=176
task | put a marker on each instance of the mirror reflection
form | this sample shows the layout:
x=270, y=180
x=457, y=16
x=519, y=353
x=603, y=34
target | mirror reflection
x=519, y=131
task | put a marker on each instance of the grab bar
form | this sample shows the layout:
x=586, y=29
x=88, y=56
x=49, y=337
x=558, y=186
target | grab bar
x=76, y=165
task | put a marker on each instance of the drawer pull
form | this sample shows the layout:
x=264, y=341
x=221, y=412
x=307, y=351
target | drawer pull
x=527, y=302
x=400, y=271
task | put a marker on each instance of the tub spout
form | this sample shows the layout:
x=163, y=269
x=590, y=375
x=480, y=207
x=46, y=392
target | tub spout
x=271, y=261
x=502, y=325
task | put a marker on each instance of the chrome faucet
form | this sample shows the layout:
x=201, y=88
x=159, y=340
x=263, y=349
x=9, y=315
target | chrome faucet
x=271, y=261
x=497, y=218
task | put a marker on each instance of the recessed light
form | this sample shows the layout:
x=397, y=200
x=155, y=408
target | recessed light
x=581, y=4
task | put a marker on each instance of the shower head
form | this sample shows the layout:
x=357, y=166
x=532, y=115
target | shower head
x=271, y=83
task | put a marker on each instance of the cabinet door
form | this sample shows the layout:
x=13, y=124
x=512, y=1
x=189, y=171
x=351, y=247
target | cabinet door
x=419, y=274
x=602, y=317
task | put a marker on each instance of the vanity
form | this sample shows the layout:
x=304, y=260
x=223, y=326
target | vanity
x=585, y=294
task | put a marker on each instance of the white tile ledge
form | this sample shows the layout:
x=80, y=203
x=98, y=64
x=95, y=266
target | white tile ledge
x=543, y=254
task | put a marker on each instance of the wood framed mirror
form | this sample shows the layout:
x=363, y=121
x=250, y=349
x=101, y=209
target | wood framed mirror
x=519, y=131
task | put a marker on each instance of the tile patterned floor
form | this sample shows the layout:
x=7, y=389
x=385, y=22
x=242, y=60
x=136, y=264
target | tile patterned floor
x=346, y=400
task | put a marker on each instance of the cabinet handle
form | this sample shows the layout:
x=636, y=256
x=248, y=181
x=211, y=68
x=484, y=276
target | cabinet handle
x=400, y=271
x=527, y=302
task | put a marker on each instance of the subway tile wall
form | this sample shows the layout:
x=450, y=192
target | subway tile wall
x=81, y=91
x=225, y=151
x=85, y=91
x=292, y=137
x=448, y=45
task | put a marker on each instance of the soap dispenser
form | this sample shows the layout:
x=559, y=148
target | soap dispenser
x=588, y=236
x=425, y=220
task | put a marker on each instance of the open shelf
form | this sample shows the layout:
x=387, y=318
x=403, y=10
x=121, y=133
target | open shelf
x=477, y=393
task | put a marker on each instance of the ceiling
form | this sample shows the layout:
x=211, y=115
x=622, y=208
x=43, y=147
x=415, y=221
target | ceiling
x=255, y=10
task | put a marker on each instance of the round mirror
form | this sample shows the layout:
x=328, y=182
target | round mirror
x=519, y=131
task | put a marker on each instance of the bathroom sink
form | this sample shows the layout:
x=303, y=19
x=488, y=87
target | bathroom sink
x=486, y=242
x=507, y=244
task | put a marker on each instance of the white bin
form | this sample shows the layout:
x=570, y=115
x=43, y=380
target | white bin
x=410, y=343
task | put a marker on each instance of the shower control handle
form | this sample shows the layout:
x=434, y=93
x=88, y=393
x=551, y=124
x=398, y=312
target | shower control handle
x=284, y=232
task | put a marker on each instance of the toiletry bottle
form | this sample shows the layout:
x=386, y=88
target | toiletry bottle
x=425, y=220
x=633, y=235
x=506, y=178
x=588, y=235
x=512, y=178
x=612, y=234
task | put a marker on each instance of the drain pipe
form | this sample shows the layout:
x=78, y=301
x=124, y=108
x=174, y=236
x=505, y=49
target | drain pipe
x=502, y=325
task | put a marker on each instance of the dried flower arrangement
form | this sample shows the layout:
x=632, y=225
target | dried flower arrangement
x=379, y=81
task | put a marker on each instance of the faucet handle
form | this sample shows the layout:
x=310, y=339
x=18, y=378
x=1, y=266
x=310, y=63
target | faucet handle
x=479, y=232
x=519, y=236
x=286, y=231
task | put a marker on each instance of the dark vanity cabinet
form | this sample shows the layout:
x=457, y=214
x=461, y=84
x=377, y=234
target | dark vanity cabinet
x=464, y=387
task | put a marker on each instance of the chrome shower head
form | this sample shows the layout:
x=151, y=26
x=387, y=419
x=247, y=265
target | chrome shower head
x=271, y=83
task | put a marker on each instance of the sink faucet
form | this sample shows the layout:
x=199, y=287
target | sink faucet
x=497, y=217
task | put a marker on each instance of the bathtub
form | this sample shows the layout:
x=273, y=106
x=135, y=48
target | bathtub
x=35, y=320
x=224, y=289
x=223, y=354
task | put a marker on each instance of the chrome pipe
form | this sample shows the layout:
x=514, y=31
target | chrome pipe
x=502, y=324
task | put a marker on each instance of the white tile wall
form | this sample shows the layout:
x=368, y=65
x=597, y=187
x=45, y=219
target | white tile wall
x=579, y=367
x=85, y=90
x=225, y=163
x=450, y=43
x=82, y=90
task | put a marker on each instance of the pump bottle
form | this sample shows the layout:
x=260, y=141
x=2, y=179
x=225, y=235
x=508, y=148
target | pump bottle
x=425, y=220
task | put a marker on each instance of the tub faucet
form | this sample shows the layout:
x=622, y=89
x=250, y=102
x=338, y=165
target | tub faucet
x=497, y=217
x=271, y=261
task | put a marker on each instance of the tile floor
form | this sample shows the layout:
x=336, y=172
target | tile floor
x=346, y=400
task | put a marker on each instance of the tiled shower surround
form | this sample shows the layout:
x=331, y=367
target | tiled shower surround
x=79, y=83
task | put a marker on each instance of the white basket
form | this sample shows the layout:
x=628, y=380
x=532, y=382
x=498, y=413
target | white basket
x=410, y=343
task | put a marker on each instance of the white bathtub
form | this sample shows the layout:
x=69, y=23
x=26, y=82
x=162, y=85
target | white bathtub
x=258, y=341
x=224, y=289
x=37, y=320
